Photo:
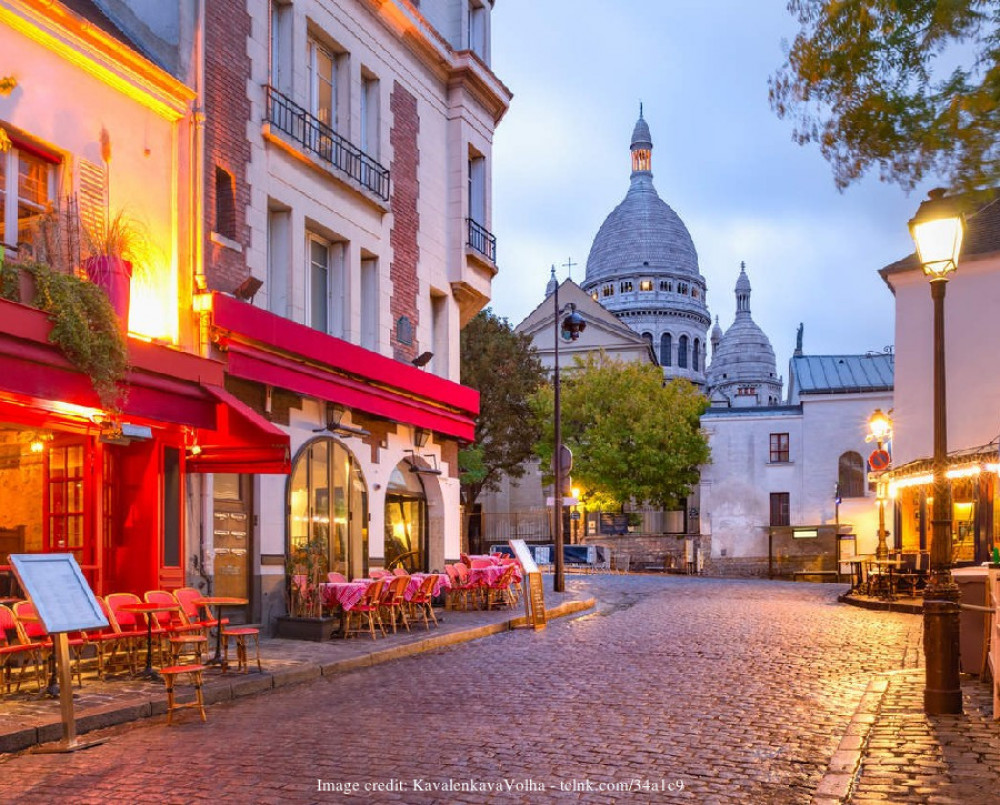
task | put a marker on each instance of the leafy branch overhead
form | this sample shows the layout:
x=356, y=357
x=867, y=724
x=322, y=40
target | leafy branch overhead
x=635, y=439
x=504, y=367
x=912, y=88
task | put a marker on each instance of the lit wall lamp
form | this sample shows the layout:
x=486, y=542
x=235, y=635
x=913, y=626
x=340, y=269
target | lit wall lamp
x=415, y=467
x=420, y=437
x=335, y=422
x=422, y=359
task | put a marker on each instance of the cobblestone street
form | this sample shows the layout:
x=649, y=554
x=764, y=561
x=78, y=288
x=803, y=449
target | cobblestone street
x=674, y=688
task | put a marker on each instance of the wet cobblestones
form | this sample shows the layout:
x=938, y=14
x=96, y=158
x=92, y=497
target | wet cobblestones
x=728, y=690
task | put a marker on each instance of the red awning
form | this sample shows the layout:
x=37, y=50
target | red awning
x=242, y=441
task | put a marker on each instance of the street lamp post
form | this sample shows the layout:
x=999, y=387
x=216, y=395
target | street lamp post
x=937, y=230
x=880, y=426
x=569, y=329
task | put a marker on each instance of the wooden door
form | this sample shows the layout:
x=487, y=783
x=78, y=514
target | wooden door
x=232, y=536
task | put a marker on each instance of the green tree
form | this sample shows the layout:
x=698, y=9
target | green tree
x=910, y=86
x=634, y=438
x=504, y=368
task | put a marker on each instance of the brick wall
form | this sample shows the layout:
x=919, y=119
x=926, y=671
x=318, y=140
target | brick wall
x=406, y=219
x=227, y=112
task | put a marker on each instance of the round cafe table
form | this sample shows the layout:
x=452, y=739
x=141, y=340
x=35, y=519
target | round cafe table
x=148, y=610
x=219, y=602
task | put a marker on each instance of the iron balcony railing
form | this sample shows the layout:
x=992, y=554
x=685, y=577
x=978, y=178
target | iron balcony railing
x=482, y=240
x=317, y=137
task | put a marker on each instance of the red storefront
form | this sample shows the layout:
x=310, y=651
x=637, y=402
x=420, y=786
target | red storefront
x=113, y=489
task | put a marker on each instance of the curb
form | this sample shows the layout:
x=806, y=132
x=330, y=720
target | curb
x=838, y=782
x=884, y=606
x=255, y=684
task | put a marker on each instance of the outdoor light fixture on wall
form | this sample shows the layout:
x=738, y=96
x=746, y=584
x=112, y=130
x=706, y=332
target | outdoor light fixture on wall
x=247, y=289
x=422, y=359
x=335, y=422
x=420, y=437
x=938, y=229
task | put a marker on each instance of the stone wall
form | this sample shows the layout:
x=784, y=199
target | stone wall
x=645, y=551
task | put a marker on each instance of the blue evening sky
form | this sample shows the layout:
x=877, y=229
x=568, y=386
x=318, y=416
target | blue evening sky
x=721, y=158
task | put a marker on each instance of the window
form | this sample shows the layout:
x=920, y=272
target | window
x=682, y=352
x=851, y=475
x=779, y=448
x=648, y=337
x=780, y=509
x=477, y=188
x=682, y=288
x=695, y=293
x=439, y=334
x=645, y=285
x=608, y=290
x=477, y=29
x=225, y=204
x=626, y=287
x=369, y=114
x=27, y=179
x=328, y=505
x=324, y=90
x=279, y=248
x=694, y=354
x=281, y=46
x=666, y=285
x=666, y=349
x=369, y=303
x=326, y=285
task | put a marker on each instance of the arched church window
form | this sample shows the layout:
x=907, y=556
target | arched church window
x=695, y=353
x=682, y=352
x=851, y=475
x=648, y=338
x=666, y=347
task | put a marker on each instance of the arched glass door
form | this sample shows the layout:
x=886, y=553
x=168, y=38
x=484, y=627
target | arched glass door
x=405, y=520
x=328, y=507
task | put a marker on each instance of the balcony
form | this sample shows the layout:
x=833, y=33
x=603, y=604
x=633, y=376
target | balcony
x=482, y=240
x=319, y=139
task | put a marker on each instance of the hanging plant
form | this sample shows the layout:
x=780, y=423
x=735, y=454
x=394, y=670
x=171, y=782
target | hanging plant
x=84, y=326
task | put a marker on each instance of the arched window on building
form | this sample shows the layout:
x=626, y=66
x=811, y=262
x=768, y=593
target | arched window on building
x=648, y=337
x=851, y=475
x=666, y=348
x=682, y=352
x=695, y=354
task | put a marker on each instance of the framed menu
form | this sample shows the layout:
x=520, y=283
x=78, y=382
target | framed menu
x=534, y=601
x=56, y=586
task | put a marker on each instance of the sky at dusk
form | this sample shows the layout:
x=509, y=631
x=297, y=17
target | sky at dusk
x=721, y=158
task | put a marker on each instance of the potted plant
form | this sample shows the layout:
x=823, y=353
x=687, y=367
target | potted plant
x=304, y=571
x=116, y=250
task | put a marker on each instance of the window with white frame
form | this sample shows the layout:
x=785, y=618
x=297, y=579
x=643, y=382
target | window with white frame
x=281, y=46
x=326, y=285
x=477, y=188
x=477, y=29
x=279, y=247
x=369, y=114
x=324, y=80
x=27, y=188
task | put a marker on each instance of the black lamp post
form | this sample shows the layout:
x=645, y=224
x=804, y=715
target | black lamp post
x=568, y=329
x=937, y=229
x=880, y=426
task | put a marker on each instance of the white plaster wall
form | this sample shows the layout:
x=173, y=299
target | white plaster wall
x=972, y=342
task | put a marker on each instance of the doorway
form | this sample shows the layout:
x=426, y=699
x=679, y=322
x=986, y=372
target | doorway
x=406, y=521
x=232, y=543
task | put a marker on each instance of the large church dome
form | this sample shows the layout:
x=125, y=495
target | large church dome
x=643, y=268
x=743, y=372
x=643, y=232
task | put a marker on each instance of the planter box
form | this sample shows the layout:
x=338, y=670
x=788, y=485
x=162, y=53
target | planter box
x=315, y=629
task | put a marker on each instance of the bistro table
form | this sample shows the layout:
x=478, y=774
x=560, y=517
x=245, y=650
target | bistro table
x=886, y=577
x=219, y=602
x=857, y=564
x=147, y=611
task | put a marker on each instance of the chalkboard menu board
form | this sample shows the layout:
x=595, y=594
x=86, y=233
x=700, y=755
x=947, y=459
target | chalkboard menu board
x=56, y=586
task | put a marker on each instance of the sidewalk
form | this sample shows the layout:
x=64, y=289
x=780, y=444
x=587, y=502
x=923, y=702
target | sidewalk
x=26, y=719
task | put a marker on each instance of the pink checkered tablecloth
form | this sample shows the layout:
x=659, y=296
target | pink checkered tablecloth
x=416, y=579
x=343, y=595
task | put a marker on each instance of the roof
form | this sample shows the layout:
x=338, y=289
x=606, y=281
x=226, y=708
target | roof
x=843, y=374
x=91, y=12
x=982, y=236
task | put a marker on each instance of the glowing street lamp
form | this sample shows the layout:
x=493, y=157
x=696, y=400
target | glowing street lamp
x=879, y=428
x=937, y=229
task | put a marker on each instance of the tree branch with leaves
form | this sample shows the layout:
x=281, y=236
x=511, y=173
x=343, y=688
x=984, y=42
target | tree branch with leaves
x=911, y=87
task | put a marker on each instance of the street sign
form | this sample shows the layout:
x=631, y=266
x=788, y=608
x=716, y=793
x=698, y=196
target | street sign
x=879, y=460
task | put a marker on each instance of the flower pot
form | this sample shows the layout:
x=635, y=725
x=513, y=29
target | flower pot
x=316, y=629
x=113, y=276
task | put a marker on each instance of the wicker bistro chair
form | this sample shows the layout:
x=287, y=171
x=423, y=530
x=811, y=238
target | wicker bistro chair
x=111, y=638
x=16, y=647
x=460, y=590
x=423, y=599
x=500, y=591
x=34, y=629
x=129, y=625
x=394, y=600
x=189, y=599
x=177, y=635
x=369, y=608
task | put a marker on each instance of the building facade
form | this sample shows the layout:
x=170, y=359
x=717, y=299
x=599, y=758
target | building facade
x=972, y=387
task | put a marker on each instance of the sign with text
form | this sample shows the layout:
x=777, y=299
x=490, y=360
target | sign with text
x=534, y=601
x=56, y=586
